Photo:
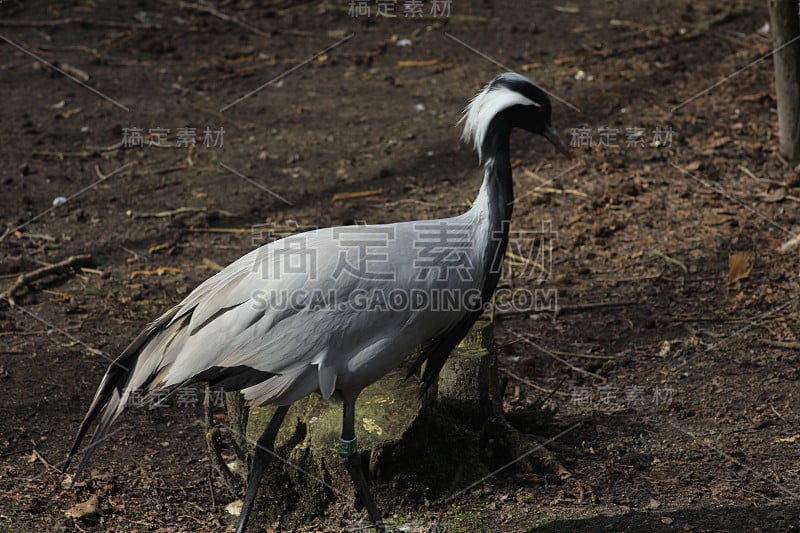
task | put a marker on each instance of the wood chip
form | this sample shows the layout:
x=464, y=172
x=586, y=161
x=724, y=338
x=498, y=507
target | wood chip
x=419, y=63
x=564, y=60
x=757, y=97
x=719, y=142
x=69, y=112
x=74, y=71
x=356, y=194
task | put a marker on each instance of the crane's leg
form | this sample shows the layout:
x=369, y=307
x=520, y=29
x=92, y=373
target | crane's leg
x=348, y=450
x=264, y=454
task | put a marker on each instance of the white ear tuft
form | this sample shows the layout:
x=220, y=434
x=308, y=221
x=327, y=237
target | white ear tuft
x=490, y=101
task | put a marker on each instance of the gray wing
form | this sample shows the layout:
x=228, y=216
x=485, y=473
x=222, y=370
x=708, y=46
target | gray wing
x=294, y=328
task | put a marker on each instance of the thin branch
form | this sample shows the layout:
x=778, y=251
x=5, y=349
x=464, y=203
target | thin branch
x=58, y=268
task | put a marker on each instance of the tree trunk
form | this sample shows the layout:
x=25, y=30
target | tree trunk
x=785, y=26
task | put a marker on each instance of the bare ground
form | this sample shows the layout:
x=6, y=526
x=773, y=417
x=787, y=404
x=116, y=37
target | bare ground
x=675, y=382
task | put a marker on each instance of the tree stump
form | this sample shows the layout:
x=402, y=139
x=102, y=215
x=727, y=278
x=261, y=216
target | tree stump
x=415, y=452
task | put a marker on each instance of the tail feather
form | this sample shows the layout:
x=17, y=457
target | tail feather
x=109, y=414
x=434, y=354
x=107, y=403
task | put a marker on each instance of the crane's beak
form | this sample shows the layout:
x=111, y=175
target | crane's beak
x=552, y=135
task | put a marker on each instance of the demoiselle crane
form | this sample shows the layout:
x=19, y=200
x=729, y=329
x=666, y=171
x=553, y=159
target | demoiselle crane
x=332, y=310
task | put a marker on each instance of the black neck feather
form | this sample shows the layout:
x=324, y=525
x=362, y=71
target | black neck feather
x=499, y=187
x=499, y=191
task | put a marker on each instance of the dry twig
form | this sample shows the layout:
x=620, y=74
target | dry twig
x=61, y=267
x=169, y=213
x=160, y=271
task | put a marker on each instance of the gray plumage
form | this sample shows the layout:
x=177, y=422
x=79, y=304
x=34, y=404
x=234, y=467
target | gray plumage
x=279, y=332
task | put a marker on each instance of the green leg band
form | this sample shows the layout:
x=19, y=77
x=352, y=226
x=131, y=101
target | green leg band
x=348, y=447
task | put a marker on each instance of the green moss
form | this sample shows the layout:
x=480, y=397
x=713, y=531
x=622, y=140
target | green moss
x=415, y=453
x=408, y=449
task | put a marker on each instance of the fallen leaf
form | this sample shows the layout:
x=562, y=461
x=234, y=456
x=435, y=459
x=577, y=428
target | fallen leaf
x=740, y=264
x=234, y=508
x=87, y=509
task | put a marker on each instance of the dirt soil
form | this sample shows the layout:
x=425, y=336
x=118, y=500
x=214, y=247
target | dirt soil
x=671, y=367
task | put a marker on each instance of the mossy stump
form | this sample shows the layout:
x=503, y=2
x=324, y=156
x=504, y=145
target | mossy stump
x=415, y=452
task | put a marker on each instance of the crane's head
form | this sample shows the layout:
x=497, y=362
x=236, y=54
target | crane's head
x=510, y=101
